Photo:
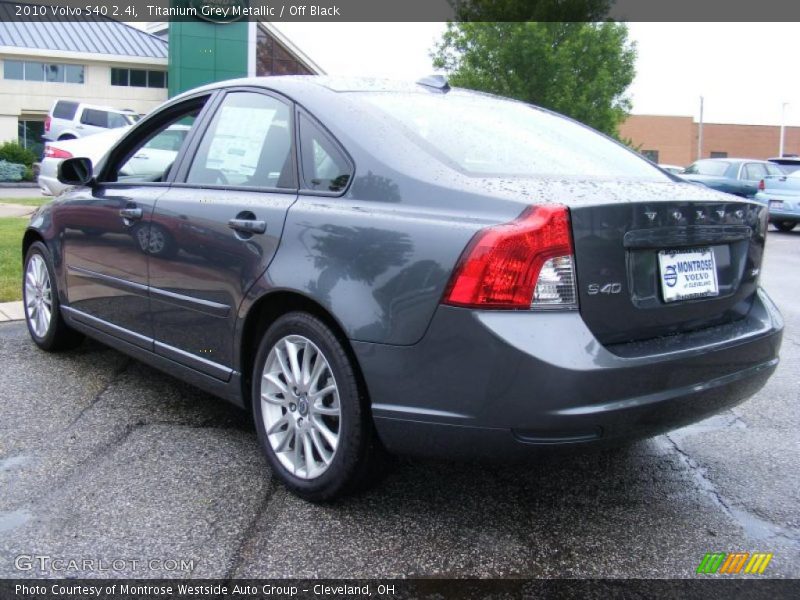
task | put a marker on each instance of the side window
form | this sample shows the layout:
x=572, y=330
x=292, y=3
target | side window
x=94, y=117
x=148, y=156
x=773, y=169
x=325, y=167
x=248, y=143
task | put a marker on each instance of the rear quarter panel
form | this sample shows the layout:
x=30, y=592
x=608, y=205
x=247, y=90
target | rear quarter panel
x=379, y=257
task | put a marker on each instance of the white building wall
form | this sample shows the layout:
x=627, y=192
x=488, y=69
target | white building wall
x=33, y=99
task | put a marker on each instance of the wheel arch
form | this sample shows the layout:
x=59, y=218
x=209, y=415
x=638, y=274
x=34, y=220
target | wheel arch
x=29, y=237
x=264, y=311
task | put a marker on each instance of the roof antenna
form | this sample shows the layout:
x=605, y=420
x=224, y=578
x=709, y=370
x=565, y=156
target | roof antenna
x=437, y=82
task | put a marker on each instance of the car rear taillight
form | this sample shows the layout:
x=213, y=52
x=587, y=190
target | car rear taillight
x=761, y=186
x=47, y=124
x=53, y=152
x=525, y=264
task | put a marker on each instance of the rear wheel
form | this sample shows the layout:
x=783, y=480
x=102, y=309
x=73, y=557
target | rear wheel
x=311, y=417
x=40, y=298
x=785, y=225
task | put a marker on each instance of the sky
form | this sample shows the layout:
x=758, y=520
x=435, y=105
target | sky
x=744, y=71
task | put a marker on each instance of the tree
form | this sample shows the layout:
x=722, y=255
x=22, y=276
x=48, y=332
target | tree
x=580, y=69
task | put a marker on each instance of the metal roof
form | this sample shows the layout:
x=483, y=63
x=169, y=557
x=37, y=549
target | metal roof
x=107, y=36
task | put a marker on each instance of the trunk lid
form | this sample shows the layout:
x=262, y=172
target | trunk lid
x=622, y=287
x=619, y=228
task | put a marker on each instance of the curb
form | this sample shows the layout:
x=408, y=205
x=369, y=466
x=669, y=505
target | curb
x=11, y=311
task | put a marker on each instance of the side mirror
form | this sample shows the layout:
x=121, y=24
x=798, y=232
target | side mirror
x=75, y=171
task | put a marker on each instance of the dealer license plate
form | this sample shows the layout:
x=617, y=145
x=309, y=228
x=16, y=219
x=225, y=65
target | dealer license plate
x=687, y=274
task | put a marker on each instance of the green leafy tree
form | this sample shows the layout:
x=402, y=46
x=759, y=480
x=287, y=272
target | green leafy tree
x=581, y=69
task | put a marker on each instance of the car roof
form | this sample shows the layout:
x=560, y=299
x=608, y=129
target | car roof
x=299, y=86
x=336, y=84
x=785, y=160
x=93, y=106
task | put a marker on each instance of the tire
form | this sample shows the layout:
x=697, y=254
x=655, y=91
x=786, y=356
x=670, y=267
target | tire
x=784, y=225
x=356, y=453
x=40, y=296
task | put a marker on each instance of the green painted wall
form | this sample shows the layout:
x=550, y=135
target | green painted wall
x=201, y=52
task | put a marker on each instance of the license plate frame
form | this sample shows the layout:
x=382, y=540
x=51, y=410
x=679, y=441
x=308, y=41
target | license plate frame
x=687, y=274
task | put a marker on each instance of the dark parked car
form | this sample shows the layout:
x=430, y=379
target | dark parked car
x=739, y=176
x=407, y=267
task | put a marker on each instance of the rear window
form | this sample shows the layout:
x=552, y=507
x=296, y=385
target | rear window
x=787, y=166
x=775, y=169
x=708, y=167
x=485, y=136
x=64, y=110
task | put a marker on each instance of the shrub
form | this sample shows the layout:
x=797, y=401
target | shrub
x=15, y=153
x=11, y=171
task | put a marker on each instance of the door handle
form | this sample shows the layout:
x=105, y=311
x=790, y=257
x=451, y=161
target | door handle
x=248, y=225
x=131, y=213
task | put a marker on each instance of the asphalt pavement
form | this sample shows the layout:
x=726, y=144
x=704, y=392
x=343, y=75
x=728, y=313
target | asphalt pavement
x=103, y=459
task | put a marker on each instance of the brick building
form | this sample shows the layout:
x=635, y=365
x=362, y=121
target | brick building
x=673, y=140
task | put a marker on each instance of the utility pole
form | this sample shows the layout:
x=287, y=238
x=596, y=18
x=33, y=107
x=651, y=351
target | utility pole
x=783, y=128
x=700, y=132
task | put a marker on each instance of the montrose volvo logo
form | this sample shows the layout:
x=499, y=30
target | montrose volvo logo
x=670, y=276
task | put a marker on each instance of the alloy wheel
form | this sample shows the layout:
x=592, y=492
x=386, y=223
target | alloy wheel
x=38, y=295
x=300, y=406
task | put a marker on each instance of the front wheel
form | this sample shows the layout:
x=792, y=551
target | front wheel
x=40, y=298
x=785, y=225
x=311, y=417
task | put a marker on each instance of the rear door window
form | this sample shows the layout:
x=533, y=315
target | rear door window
x=65, y=110
x=324, y=165
x=247, y=144
x=94, y=117
x=754, y=171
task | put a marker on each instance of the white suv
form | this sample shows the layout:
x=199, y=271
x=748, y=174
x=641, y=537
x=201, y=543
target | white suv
x=69, y=119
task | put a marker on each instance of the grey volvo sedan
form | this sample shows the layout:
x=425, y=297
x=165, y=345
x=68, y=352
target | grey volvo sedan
x=373, y=267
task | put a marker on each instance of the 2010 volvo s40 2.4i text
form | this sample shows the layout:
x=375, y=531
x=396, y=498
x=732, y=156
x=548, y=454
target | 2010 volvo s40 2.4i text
x=408, y=268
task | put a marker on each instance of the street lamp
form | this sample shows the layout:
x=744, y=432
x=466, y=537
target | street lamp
x=700, y=132
x=783, y=127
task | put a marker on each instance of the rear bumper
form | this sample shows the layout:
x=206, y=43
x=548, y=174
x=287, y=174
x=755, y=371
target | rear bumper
x=496, y=384
x=50, y=186
x=789, y=212
x=783, y=216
